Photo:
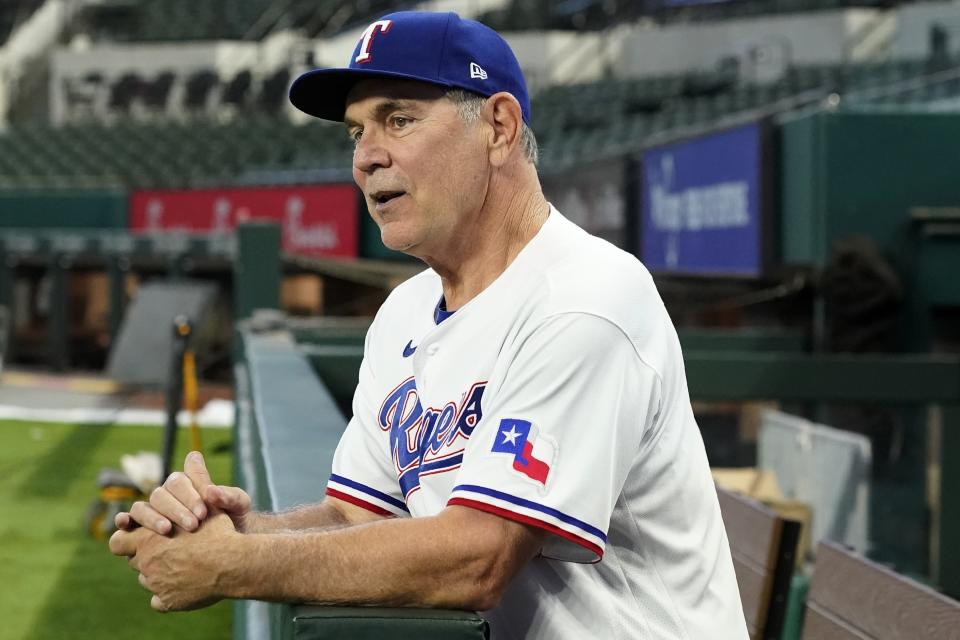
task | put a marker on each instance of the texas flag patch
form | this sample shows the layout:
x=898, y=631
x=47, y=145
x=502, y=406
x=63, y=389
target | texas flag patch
x=532, y=453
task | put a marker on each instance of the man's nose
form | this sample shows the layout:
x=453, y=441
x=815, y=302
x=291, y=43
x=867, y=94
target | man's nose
x=370, y=153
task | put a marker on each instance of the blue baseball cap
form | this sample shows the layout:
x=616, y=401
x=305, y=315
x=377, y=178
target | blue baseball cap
x=439, y=48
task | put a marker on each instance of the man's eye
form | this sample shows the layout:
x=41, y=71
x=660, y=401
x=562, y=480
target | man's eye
x=355, y=135
x=400, y=122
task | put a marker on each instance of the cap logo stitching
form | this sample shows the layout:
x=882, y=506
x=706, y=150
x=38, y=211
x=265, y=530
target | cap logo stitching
x=380, y=25
x=476, y=71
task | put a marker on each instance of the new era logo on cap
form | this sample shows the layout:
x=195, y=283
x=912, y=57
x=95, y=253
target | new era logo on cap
x=476, y=71
x=438, y=48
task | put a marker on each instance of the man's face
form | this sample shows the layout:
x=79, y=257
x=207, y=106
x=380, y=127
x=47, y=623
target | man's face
x=422, y=169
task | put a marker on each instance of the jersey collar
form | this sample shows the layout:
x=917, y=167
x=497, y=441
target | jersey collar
x=440, y=313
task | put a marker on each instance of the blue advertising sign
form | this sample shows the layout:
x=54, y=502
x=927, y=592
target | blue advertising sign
x=702, y=205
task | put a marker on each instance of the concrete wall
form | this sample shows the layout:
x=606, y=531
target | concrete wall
x=913, y=33
x=68, y=66
x=763, y=46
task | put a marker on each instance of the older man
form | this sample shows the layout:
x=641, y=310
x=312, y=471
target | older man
x=522, y=440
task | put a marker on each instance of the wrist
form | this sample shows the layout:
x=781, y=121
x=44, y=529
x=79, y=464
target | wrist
x=239, y=571
x=257, y=522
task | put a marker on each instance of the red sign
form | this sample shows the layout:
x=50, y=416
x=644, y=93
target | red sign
x=318, y=221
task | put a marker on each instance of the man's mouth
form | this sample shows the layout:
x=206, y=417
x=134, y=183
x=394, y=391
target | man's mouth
x=383, y=197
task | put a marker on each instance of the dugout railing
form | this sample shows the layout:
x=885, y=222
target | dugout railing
x=287, y=428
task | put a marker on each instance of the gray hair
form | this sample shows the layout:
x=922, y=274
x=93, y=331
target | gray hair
x=470, y=104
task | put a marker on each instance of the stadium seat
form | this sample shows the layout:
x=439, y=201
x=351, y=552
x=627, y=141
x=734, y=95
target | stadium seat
x=273, y=93
x=238, y=89
x=156, y=93
x=198, y=87
x=519, y=15
x=620, y=117
x=124, y=91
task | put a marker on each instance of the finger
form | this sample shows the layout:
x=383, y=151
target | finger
x=196, y=469
x=151, y=516
x=133, y=563
x=157, y=604
x=167, y=506
x=230, y=499
x=142, y=579
x=124, y=522
x=181, y=488
x=123, y=543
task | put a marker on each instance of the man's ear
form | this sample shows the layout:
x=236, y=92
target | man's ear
x=502, y=114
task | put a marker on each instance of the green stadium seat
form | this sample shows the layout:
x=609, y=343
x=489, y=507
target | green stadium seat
x=619, y=116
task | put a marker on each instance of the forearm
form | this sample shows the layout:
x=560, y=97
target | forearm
x=410, y=562
x=321, y=516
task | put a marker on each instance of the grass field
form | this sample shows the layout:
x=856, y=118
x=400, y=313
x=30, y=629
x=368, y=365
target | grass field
x=57, y=582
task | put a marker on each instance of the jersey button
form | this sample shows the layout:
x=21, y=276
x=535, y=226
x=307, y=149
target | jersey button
x=432, y=349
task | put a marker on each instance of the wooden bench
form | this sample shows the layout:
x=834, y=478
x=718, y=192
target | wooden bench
x=852, y=598
x=763, y=546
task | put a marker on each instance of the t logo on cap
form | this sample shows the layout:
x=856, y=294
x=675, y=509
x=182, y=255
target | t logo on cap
x=383, y=26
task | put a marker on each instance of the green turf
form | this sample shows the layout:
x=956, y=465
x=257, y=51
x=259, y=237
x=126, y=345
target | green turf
x=57, y=582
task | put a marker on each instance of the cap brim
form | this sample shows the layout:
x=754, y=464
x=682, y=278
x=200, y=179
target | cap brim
x=322, y=93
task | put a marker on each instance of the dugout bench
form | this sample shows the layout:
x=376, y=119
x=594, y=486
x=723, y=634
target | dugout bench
x=852, y=598
x=763, y=546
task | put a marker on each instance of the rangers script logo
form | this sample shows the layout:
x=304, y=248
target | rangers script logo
x=427, y=441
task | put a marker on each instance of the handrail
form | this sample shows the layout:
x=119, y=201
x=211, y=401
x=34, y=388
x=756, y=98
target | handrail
x=288, y=427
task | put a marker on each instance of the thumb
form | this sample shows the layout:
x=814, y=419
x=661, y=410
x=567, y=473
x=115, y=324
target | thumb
x=230, y=499
x=196, y=470
x=157, y=604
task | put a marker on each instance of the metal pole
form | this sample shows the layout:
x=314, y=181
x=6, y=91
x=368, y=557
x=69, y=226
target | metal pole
x=181, y=337
x=58, y=341
x=6, y=297
x=118, y=267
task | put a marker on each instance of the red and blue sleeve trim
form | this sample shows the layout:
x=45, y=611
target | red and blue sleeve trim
x=370, y=491
x=369, y=506
x=521, y=502
x=553, y=520
x=519, y=517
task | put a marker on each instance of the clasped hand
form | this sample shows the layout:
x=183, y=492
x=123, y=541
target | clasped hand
x=177, y=540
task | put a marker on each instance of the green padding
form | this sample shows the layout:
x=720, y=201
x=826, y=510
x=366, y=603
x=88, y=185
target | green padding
x=871, y=378
x=337, y=366
x=793, y=620
x=741, y=340
x=753, y=375
x=375, y=623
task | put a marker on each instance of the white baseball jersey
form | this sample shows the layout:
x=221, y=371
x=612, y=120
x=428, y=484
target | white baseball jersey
x=557, y=398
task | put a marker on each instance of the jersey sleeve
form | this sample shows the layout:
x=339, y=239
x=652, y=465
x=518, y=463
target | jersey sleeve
x=362, y=471
x=561, y=432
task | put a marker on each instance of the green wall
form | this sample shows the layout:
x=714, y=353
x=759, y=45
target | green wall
x=860, y=173
x=371, y=246
x=63, y=209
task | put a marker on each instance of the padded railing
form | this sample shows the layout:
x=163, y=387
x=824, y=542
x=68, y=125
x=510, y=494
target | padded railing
x=287, y=429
